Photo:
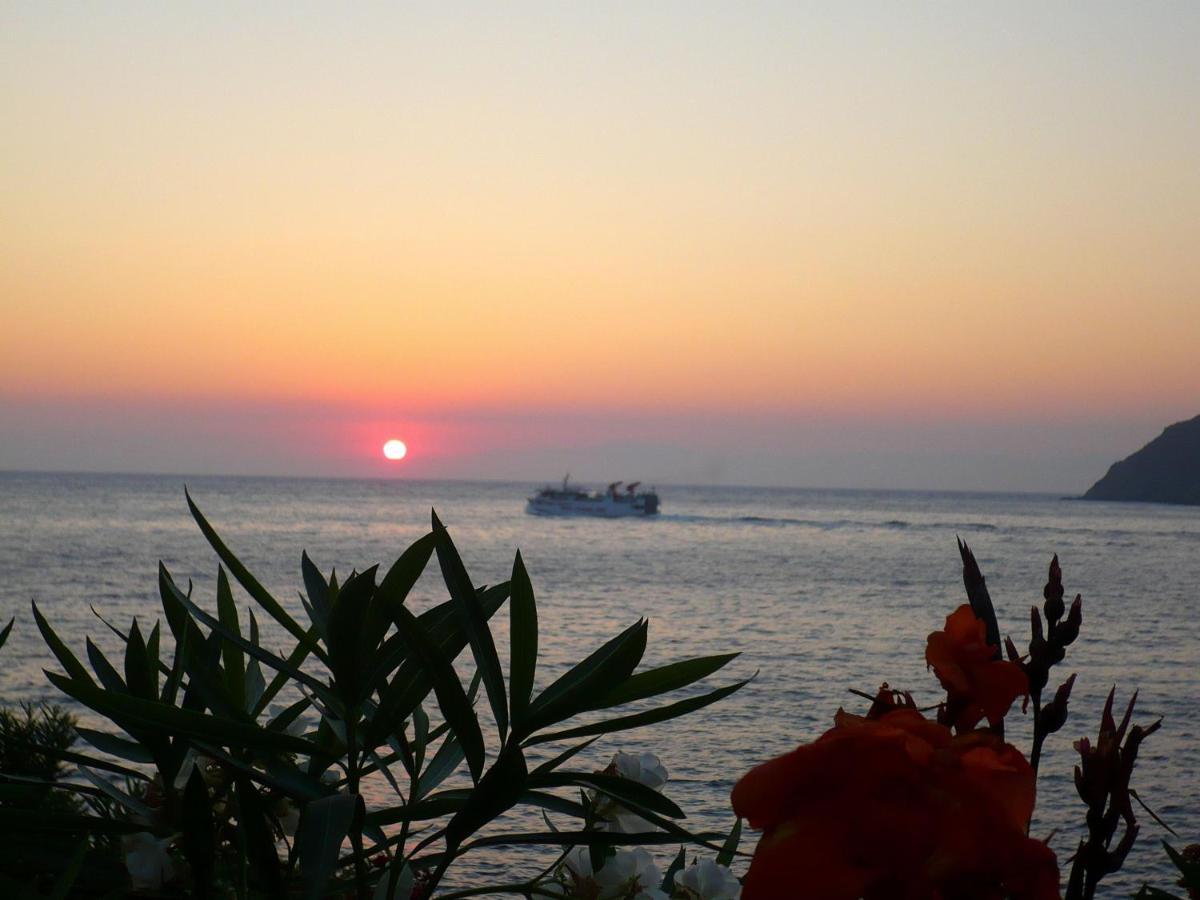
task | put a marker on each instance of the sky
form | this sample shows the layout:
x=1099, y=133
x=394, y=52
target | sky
x=849, y=245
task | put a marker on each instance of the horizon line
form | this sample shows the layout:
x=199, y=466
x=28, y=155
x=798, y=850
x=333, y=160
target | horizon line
x=482, y=480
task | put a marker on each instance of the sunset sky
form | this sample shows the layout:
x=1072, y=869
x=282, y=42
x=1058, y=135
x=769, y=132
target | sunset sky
x=883, y=245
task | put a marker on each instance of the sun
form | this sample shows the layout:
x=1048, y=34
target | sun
x=395, y=449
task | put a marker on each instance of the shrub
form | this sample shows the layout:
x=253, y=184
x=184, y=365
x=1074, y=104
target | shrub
x=230, y=792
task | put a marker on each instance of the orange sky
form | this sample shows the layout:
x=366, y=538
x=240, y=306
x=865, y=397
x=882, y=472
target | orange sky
x=866, y=213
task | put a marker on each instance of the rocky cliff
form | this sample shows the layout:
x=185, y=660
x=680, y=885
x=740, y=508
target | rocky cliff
x=1166, y=470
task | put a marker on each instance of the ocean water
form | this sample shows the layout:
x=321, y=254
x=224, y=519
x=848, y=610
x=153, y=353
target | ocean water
x=820, y=591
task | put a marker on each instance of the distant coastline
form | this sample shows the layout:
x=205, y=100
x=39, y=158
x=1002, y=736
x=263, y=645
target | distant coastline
x=1166, y=470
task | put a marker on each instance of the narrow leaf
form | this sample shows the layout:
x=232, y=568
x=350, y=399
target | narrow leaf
x=523, y=640
x=725, y=857
x=323, y=827
x=260, y=594
x=474, y=623
x=639, y=720
x=139, y=674
x=231, y=654
x=579, y=687
x=318, y=591
x=452, y=700
x=663, y=679
x=668, y=882
x=116, y=746
x=132, y=712
x=60, y=650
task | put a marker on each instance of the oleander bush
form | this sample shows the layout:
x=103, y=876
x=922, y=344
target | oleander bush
x=234, y=770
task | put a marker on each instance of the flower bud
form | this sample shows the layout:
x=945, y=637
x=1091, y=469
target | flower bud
x=1069, y=630
x=1054, y=714
x=1053, y=593
x=1011, y=649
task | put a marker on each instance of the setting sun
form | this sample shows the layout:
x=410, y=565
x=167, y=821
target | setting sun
x=395, y=449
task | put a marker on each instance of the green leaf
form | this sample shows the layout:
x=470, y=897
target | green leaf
x=496, y=793
x=578, y=688
x=349, y=657
x=60, y=650
x=523, y=640
x=396, y=586
x=289, y=714
x=294, y=659
x=199, y=832
x=127, y=712
x=200, y=655
x=108, y=675
x=260, y=594
x=139, y=674
x=639, y=720
x=626, y=790
x=447, y=758
x=434, y=806
x=235, y=662
x=7, y=629
x=324, y=825
x=729, y=850
x=668, y=882
x=255, y=651
x=402, y=888
x=132, y=804
x=260, y=838
x=276, y=774
x=116, y=746
x=317, y=588
x=81, y=759
x=411, y=683
x=420, y=741
x=474, y=623
x=551, y=764
x=663, y=679
x=452, y=700
x=554, y=803
x=152, y=655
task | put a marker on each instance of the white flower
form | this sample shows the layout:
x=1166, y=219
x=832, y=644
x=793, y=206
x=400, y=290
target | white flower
x=626, y=875
x=707, y=880
x=644, y=768
x=146, y=858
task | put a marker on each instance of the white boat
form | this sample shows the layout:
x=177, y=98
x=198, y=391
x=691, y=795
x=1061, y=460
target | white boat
x=612, y=503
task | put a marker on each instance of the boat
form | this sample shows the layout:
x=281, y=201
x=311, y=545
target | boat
x=611, y=503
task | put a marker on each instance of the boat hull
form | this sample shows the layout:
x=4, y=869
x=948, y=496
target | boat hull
x=602, y=508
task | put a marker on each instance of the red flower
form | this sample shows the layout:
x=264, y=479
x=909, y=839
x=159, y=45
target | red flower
x=895, y=807
x=978, y=684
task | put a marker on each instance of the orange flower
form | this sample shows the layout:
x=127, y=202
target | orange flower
x=895, y=807
x=978, y=684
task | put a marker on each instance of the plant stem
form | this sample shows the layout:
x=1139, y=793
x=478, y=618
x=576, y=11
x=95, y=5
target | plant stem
x=1039, y=738
x=354, y=761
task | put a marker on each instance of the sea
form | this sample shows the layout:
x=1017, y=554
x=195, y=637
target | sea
x=822, y=592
